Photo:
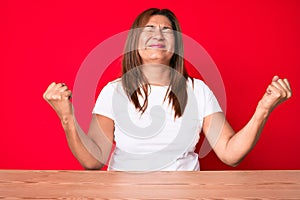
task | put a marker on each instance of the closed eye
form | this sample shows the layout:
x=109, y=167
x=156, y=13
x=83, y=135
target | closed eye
x=151, y=28
x=167, y=29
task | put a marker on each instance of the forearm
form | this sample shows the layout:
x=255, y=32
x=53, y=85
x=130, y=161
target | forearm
x=241, y=143
x=232, y=147
x=82, y=146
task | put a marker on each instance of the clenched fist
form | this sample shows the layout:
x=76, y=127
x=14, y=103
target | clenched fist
x=277, y=92
x=58, y=96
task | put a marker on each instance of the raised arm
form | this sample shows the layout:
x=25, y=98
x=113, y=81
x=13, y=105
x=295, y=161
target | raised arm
x=93, y=149
x=232, y=147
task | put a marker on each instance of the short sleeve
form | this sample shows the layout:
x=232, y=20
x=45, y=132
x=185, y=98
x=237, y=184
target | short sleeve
x=103, y=104
x=211, y=102
x=207, y=102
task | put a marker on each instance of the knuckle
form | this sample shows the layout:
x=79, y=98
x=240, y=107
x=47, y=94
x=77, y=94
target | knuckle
x=277, y=94
x=48, y=97
x=284, y=94
x=56, y=97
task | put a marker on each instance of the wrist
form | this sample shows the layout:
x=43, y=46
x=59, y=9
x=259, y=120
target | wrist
x=262, y=111
x=66, y=119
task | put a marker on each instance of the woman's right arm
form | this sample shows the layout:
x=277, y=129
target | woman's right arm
x=92, y=150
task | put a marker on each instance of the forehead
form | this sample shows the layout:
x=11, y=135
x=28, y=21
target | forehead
x=159, y=20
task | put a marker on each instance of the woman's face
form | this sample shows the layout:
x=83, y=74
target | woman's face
x=157, y=42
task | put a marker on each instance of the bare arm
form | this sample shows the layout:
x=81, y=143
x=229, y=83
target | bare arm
x=91, y=150
x=232, y=147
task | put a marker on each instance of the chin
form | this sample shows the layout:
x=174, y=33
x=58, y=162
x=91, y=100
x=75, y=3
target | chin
x=156, y=56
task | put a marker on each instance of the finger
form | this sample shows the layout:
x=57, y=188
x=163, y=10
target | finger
x=58, y=86
x=287, y=83
x=277, y=85
x=270, y=89
x=48, y=89
x=63, y=88
x=283, y=85
x=67, y=94
x=289, y=91
x=275, y=78
x=282, y=90
x=71, y=94
x=273, y=90
x=50, y=86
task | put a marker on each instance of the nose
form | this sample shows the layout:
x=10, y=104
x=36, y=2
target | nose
x=158, y=34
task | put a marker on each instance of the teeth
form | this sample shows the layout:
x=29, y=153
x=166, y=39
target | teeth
x=157, y=46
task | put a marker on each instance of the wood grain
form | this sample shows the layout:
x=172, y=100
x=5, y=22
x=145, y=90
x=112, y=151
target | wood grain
x=20, y=184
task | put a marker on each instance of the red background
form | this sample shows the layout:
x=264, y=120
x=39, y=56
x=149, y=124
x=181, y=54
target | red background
x=45, y=41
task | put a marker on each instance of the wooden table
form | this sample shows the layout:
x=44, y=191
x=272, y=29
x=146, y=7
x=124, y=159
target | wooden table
x=20, y=184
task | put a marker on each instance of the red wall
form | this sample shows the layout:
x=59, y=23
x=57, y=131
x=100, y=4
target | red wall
x=45, y=41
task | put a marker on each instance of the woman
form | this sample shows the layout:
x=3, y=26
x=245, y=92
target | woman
x=155, y=111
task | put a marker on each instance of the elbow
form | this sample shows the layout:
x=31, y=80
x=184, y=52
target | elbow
x=92, y=166
x=232, y=162
x=92, y=163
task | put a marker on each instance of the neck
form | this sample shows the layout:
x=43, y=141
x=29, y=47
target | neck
x=157, y=74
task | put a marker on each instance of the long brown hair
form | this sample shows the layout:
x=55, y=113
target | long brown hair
x=134, y=81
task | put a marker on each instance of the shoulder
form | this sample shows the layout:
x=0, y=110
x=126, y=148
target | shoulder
x=196, y=84
x=199, y=88
x=114, y=82
x=110, y=87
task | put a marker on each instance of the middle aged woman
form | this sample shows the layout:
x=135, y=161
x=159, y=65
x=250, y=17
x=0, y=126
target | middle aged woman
x=155, y=111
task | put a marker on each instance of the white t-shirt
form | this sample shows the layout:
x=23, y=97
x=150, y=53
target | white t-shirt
x=155, y=140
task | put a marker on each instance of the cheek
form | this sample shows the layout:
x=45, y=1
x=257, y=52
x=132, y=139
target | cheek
x=171, y=45
x=142, y=41
x=141, y=48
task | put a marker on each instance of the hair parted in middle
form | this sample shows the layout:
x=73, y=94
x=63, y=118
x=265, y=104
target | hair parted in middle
x=134, y=81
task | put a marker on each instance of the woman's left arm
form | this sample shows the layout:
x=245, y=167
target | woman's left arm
x=232, y=147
